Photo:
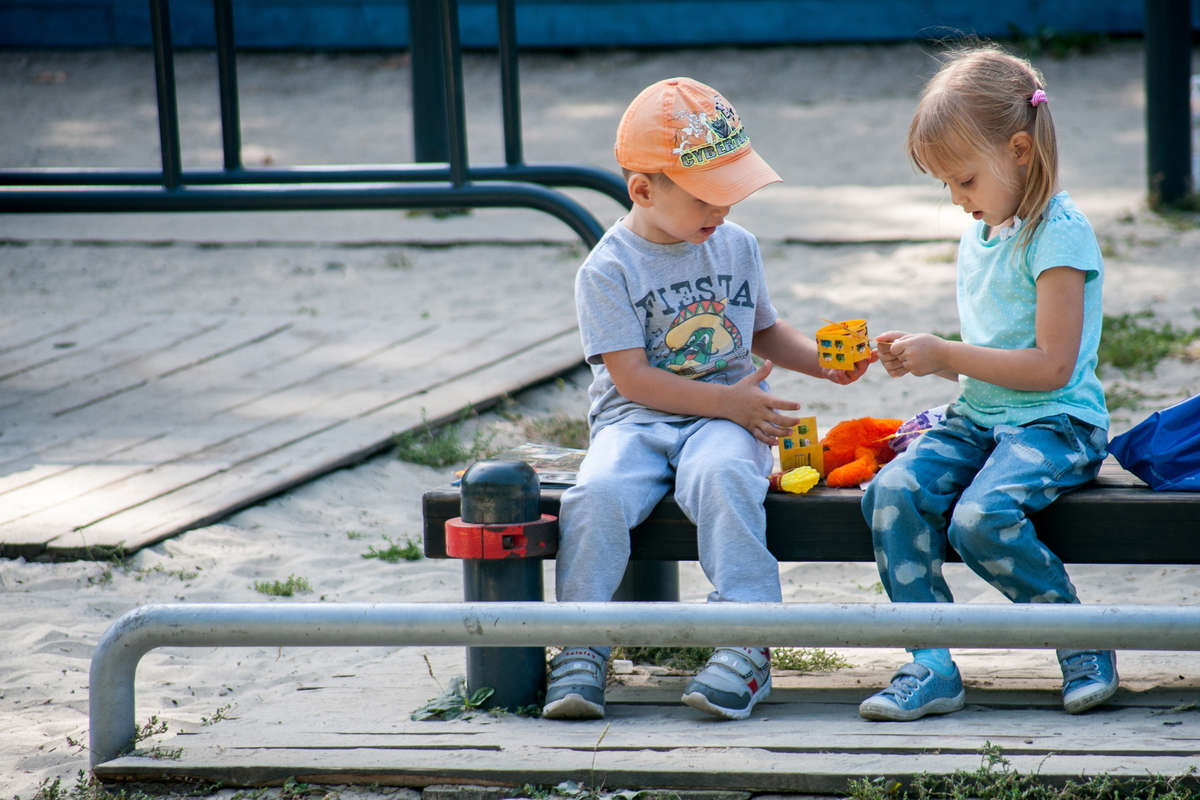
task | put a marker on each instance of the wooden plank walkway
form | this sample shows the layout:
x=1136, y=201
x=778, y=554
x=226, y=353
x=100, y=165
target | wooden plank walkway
x=118, y=431
x=807, y=737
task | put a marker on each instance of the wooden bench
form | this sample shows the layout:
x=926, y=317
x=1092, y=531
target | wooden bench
x=1116, y=519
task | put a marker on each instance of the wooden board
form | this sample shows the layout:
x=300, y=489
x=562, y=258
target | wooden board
x=1107, y=522
x=806, y=738
x=119, y=431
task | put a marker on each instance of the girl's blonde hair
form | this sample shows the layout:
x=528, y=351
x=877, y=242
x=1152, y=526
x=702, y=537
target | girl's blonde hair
x=974, y=104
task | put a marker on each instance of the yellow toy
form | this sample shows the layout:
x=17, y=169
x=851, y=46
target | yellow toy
x=795, y=481
x=841, y=345
x=801, y=447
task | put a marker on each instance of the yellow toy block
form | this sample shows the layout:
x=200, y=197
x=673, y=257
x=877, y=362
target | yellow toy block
x=841, y=345
x=801, y=447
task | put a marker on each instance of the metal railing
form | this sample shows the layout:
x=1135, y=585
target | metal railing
x=453, y=184
x=114, y=663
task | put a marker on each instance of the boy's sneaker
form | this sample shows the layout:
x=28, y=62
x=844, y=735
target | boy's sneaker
x=1089, y=678
x=915, y=691
x=576, y=687
x=733, y=680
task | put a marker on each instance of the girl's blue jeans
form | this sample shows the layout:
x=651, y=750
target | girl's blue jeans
x=974, y=488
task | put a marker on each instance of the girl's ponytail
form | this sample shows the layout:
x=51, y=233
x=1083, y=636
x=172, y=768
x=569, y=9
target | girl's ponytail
x=1041, y=177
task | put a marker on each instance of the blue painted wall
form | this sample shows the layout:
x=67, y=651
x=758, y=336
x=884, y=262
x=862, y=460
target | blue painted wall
x=383, y=24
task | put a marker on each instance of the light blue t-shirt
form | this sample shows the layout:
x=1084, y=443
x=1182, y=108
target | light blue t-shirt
x=997, y=305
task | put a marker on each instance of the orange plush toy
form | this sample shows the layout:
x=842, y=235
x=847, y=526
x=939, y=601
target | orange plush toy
x=856, y=449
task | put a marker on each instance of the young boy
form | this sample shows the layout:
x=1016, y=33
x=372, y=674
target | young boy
x=671, y=302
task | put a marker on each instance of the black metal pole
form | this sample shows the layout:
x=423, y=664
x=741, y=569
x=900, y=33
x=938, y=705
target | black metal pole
x=164, y=82
x=510, y=93
x=231, y=133
x=1168, y=114
x=649, y=582
x=428, y=79
x=456, y=117
x=504, y=492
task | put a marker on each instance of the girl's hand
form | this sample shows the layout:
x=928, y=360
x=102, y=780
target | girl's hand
x=918, y=354
x=890, y=360
x=756, y=411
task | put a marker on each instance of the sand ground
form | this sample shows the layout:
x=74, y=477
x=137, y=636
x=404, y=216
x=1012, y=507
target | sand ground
x=853, y=232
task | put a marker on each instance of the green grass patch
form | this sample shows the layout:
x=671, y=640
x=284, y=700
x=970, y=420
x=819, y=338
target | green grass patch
x=1138, y=341
x=996, y=780
x=440, y=446
x=685, y=659
x=558, y=429
x=291, y=586
x=693, y=659
x=804, y=659
x=394, y=552
x=1121, y=396
x=455, y=702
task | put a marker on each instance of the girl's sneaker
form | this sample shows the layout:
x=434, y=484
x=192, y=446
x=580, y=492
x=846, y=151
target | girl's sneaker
x=576, y=687
x=733, y=680
x=915, y=691
x=1089, y=678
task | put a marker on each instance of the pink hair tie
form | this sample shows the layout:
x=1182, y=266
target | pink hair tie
x=1039, y=96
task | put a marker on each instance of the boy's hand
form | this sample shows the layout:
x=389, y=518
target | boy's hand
x=845, y=376
x=756, y=411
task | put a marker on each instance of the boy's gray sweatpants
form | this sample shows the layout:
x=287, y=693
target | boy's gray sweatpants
x=719, y=472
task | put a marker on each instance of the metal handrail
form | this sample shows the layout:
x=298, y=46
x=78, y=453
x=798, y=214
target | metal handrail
x=1043, y=625
x=359, y=186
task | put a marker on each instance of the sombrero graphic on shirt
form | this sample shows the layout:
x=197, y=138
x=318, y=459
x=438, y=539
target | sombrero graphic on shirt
x=701, y=339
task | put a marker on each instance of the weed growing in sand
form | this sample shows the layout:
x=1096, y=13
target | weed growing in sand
x=1123, y=396
x=286, y=588
x=803, y=659
x=693, y=659
x=1179, y=215
x=87, y=787
x=440, y=447
x=409, y=551
x=455, y=702
x=996, y=780
x=184, y=575
x=558, y=429
x=217, y=716
x=574, y=790
x=685, y=659
x=1135, y=341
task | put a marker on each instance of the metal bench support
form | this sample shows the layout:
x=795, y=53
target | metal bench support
x=1034, y=626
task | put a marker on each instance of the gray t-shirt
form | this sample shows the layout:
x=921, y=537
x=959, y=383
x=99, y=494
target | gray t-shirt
x=694, y=308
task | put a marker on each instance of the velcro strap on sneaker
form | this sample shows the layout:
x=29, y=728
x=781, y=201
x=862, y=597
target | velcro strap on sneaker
x=735, y=661
x=577, y=661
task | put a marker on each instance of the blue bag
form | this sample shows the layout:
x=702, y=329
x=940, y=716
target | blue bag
x=1164, y=449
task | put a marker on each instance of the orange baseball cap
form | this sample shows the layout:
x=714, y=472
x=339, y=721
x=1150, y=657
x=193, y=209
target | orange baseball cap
x=692, y=134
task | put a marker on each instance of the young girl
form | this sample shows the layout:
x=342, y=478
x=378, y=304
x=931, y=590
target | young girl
x=1030, y=421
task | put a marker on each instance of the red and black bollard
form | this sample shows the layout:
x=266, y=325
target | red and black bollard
x=501, y=538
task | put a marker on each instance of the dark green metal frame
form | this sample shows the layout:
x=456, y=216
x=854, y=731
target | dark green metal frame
x=453, y=184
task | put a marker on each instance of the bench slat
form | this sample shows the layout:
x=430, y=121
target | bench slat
x=1116, y=520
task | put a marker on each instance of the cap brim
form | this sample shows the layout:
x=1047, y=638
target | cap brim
x=728, y=182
